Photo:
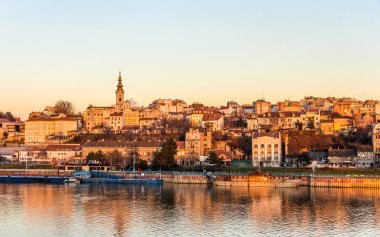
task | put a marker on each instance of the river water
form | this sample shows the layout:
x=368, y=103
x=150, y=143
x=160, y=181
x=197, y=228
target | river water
x=186, y=210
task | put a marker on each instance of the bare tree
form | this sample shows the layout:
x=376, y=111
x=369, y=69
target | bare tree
x=64, y=107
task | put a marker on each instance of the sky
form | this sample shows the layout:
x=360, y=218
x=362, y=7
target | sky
x=207, y=51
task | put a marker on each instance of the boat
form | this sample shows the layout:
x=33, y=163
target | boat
x=257, y=179
x=123, y=181
x=112, y=178
x=71, y=180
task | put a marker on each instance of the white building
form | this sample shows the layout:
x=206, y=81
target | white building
x=365, y=157
x=266, y=149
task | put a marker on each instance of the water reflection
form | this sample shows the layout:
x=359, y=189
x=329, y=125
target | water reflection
x=191, y=210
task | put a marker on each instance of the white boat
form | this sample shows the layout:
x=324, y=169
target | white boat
x=71, y=180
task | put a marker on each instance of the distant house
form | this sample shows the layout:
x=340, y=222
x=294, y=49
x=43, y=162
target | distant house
x=341, y=158
x=365, y=157
x=213, y=122
x=320, y=156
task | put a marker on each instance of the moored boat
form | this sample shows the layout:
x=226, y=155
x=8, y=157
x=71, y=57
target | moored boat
x=257, y=180
x=71, y=180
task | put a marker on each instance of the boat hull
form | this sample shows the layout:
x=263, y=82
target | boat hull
x=123, y=181
x=244, y=181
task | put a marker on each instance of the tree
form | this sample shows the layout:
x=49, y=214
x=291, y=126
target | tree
x=106, y=129
x=8, y=116
x=115, y=158
x=242, y=143
x=142, y=164
x=5, y=135
x=64, y=107
x=133, y=156
x=96, y=157
x=213, y=158
x=165, y=157
x=310, y=124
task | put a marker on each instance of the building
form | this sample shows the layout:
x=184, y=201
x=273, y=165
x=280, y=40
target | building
x=341, y=158
x=376, y=143
x=169, y=106
x=144, y=149
x=289, y=106
x=197, y=144
x=12, y=130
x=266, y=149
x=327, y=126
x=213, y=122
x=365, y=157
x=58, y=153
x=343, y=123
x=261, y=106
x=51, y=129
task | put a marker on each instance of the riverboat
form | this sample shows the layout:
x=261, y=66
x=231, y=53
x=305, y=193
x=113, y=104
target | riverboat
x=257, y=180
x=109, y=178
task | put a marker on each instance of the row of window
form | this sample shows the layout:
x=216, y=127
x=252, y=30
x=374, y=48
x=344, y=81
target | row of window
x=263, y=145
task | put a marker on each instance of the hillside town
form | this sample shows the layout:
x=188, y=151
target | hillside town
x=334, y=132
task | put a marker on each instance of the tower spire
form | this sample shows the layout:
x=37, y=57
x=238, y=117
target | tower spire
x=120, y=85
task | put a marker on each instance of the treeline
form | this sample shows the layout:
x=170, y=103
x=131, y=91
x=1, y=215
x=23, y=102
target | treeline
x=304, y=141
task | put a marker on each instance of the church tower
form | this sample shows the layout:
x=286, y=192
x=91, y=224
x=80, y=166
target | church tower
x=119, y=95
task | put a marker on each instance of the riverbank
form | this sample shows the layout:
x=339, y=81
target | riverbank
x=319, y=180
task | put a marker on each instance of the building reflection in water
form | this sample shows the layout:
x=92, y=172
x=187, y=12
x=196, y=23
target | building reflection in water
x=118, y=210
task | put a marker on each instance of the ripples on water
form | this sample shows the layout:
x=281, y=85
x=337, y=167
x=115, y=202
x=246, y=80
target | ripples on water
x=186, y=210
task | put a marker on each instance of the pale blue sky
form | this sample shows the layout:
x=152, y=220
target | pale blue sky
x=206, y=51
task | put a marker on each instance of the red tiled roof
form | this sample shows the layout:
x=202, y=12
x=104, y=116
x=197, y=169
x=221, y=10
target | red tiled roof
x=212, y=117
x=122, y=144
x=61, y=147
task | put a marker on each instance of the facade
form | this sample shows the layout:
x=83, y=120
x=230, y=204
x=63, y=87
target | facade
x=169, y=106
x=266, y=149
x=145, y=149
x=342, y=158
x=12, y=130
x=365, y=157
x=376, y=143
x=327, y=126
x=40, y=130
x=197, y=144
x=343, y=123
x=213, y=122
x=261, y=106
x=289, y=106
x=63, y=152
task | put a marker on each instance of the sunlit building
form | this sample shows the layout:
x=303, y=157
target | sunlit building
x=266, y=149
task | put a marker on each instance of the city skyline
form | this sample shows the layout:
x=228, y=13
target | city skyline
x=207, y=52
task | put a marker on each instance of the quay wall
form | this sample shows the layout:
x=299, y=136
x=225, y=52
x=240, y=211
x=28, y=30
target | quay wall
x=341, y=182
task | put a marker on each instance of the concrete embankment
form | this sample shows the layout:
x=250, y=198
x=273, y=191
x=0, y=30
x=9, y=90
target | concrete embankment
x=342, y=182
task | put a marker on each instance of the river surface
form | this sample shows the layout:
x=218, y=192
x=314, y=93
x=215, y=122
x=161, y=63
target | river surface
x=186, y=210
